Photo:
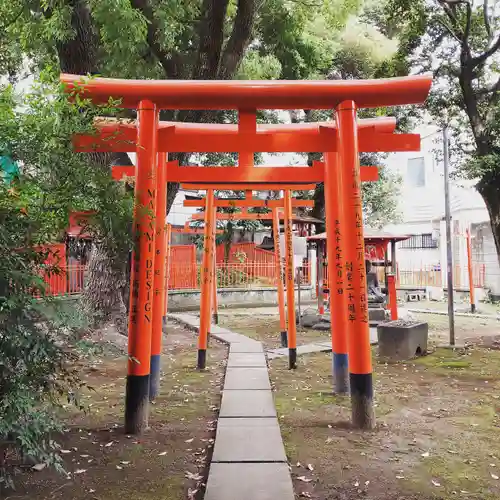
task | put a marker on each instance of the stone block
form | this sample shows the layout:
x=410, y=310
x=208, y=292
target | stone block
x=247, y=404
x=248, y=440
x=245, y=360
x=267, y=481
x=322, y=327
x=309, y=319
x=376, y=314
x=400, y=340
x=435, y=293
x=480, y=294
x=247, y=378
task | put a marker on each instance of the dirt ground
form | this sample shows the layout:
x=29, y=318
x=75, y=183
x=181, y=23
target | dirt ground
x=265, y=327
x=166, y=463
x=437, y=434
x=438, y=419
x=263, y=324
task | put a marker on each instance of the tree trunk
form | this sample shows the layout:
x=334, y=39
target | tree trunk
x=105, y=294
x=103, y=300
x=489, y=189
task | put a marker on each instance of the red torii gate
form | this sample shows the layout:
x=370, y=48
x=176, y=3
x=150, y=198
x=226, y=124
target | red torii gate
x=245, y=203
x=341, y=175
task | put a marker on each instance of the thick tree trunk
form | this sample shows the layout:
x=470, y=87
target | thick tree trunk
x=103, y=299
x=105, y=289
x=489, y=189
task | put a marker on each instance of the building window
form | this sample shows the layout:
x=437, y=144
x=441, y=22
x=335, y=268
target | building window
x=419, y=241
x=416, y=172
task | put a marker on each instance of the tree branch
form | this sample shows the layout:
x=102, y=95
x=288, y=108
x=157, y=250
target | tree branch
x=165, y=59
x=211, y=39
x=476, y=61
x=239, y=39
x=487, y=24
x=449, y=30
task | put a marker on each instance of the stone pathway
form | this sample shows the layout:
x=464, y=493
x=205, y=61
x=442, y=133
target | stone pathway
x=249, y=460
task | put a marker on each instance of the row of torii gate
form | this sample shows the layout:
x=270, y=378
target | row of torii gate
x=340, y=141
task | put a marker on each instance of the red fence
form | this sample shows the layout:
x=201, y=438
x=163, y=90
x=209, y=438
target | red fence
x=66, y=281
x=249, y=267
x=182, y=269
x=241, y=252
x=427, y=276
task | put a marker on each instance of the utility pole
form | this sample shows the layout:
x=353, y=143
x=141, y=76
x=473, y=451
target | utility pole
x=449, y=250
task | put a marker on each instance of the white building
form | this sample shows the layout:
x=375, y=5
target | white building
x=423, y=256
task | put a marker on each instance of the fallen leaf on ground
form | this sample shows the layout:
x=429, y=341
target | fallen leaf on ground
x=435, y=483
x=356, y=484
x=310, y=467
x=119, y=467
x=494, y=476
x=400, y=477
x=191, y=494
x=304, y=479
x=189, y=440
x=425, y=454
x=298, y=464
x=65, y=451
x=162, y=454
x=107, y=445
x=195, y=476
x=39, y=467
x=304, y=494
x=124, y=463
x=80, y=471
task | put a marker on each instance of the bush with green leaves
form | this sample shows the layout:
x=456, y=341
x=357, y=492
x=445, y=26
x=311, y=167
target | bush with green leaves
x=37, y=358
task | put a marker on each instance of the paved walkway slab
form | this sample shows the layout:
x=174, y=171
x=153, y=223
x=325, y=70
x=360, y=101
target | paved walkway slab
x=247, y=404
x=262, y=481
x=246, y=347
x=248, y=440
x=246, y=359
x=244, y=379
x=302, y=349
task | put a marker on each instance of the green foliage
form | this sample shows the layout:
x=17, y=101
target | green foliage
x=36, y=362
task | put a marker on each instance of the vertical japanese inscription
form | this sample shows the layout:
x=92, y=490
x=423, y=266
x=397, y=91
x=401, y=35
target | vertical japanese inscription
x=289, y=249
x=144, y=237
x=357, y=309
x=339, y=275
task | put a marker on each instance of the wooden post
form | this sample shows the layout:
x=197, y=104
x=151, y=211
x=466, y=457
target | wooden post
x=471, y=274
x=393, y=299
x=142, y=273
x=336, y=255
x=358, y=334
x=206, y=282
x=279, y=278
x=290, y=285
x=159, y=275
